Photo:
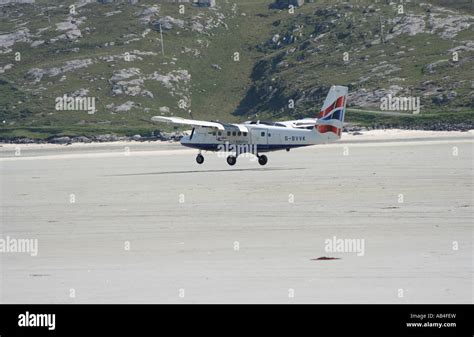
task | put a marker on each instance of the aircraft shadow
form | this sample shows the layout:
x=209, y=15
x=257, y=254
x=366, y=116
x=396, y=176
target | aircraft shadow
x=209, y=171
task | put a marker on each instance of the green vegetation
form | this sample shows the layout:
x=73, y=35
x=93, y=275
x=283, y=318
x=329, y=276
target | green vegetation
x=304, y=62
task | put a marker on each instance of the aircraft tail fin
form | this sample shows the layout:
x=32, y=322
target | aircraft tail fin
x=331, y=116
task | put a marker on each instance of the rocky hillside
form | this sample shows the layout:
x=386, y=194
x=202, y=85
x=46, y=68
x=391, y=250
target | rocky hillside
x=235, y=61
x=372, y=49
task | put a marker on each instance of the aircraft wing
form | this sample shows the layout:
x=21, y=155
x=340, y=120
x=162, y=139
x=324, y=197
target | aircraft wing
x=195, y=123
x=192, y=122
x=300, y=123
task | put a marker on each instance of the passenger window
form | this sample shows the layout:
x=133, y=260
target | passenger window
x=219, y=133
x=228, y=133
x=213, y=133
x=263, y=134
x=239, y=134
x=245, y=134
x=234, y=133
x=269, y=135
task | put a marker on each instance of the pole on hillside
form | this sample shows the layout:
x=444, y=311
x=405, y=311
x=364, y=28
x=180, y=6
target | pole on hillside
x=382, y=38
x=49, y=14
x=162, y=45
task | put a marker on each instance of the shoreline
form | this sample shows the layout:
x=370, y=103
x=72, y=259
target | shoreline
x=398, y=135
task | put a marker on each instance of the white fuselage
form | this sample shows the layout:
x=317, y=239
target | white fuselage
x=262, y=137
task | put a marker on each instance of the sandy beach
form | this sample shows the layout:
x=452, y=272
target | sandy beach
x=133, y=222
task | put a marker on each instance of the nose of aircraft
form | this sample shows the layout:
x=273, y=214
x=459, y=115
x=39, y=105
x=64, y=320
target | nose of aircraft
x=185, y=140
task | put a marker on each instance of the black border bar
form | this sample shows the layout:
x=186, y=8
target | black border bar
x=239, y=320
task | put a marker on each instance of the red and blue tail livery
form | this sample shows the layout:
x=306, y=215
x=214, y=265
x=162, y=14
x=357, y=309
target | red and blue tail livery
x=331, y=117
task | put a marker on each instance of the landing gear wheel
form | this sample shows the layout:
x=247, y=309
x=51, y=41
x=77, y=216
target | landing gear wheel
x=200, y=159
x=231, y=160
x=262, y=160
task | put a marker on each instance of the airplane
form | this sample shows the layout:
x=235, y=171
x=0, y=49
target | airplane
x=257, y=137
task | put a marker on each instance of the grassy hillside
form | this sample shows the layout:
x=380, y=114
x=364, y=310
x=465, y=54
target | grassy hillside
x=112, y=52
